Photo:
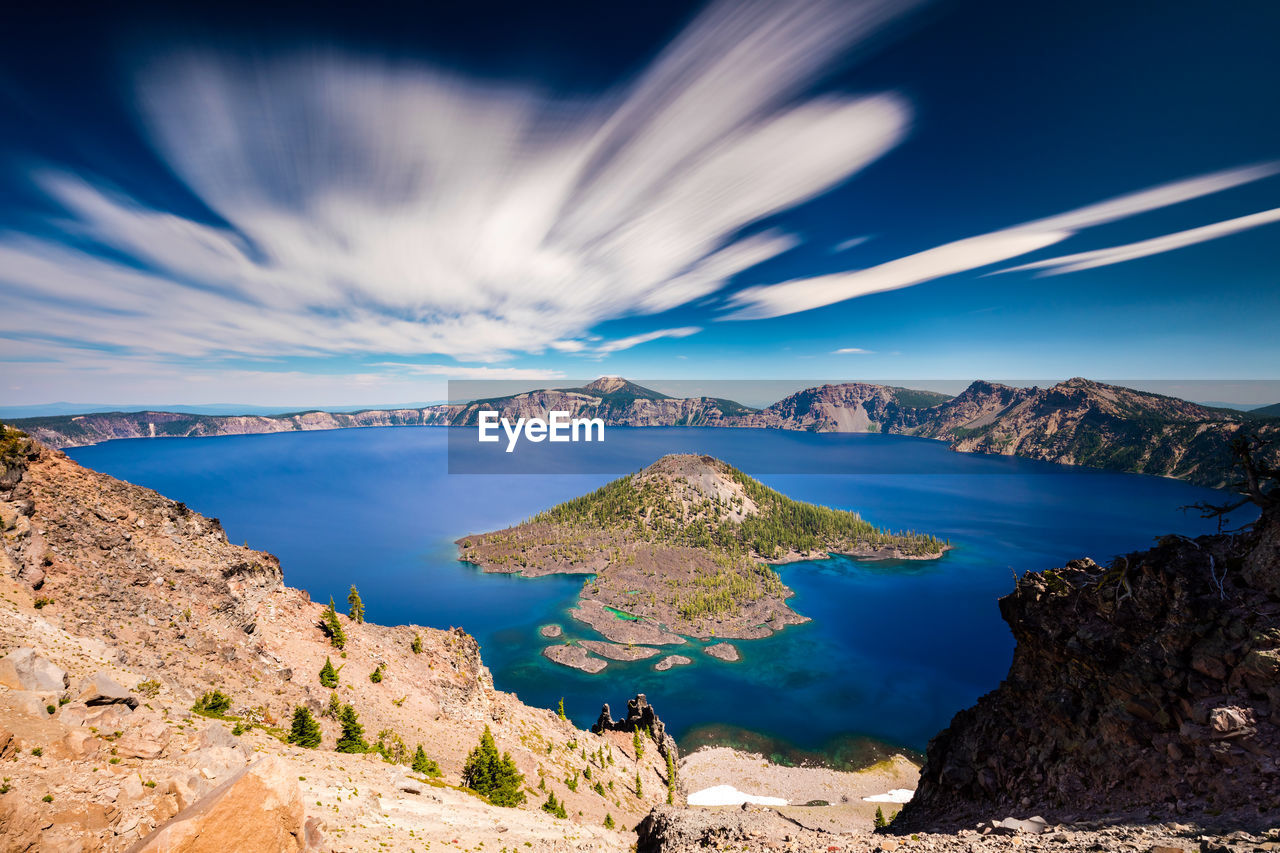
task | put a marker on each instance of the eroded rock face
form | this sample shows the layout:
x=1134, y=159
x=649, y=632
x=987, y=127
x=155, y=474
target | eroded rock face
x=258, y=809
x=1152, y=684
x=23, y=669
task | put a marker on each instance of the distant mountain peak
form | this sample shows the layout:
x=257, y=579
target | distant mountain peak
x=617, y=385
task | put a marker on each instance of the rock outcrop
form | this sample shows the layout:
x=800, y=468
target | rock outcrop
x=258, y=810
x=1148, y=686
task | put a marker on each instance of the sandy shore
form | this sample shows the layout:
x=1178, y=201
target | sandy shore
x=752, y=774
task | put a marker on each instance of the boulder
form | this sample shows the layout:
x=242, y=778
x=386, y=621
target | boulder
x=102, y=689
x=258, y=810
x=147, y=738
x=108, y=718
x=23, y=669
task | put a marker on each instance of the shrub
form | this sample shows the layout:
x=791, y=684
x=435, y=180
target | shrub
x=214, y=703
x=608, y=821
x=304, y=731
x=639, y=787
x=492, y=776
x=334, y=708
x=52, y=709
x=636, y=744
x=352, y=738
x=149, y=688
x=560, y=710
x=424, y=765
x=47, y=798
x=416, y=645
x=328, y=675
x=37, y=752
x=376, y=675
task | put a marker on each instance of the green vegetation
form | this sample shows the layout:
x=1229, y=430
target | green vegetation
x=416, y=645
x=492, y=776
x=392, y=747
x=639, y=787
x=149, y=688
x=352, y=737
x=304, y=731
x=637, y=745
x=355, y=607
x=560, y=710
x=881, y=821
x=424, y=765
x=333, y=627
x=912, y=399
x=554, y=807
x=608, y=821
x=214, y=703
x=334, y=710
x=736, y=538
x=671, y=779
x=376, y=675
x=328, y=675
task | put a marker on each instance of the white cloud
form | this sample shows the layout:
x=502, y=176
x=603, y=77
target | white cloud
x=1146, y=248
x=635, y=340
x=464, y=371
x=852, y=351
x=374, y=207
x=846, y=245
x=790, y=297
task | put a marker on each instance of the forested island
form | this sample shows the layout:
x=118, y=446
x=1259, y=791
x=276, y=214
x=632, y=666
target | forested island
x=683, y=548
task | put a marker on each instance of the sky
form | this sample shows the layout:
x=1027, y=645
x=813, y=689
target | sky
x=320, y=204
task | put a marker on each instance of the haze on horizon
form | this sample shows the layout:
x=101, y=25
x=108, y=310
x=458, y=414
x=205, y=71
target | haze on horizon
x=216, y=205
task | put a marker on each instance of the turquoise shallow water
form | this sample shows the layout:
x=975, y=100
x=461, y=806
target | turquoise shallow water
x=894, y=649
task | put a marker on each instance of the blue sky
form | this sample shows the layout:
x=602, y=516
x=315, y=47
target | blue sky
x=307, y=207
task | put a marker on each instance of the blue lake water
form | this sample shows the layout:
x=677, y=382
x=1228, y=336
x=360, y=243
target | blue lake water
x=893, y=651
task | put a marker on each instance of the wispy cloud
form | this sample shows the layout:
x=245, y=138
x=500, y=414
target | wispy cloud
x=376, y=208
x=635, y=340
x=462, y=371
x=1145, y=248
x=790, y=297
x=852, y=351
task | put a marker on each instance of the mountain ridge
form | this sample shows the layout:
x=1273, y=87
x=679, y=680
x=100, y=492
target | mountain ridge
x=1075, y=422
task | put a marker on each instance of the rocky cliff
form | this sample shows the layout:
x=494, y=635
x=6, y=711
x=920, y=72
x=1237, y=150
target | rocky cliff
x=120, y=609
x=1149, y=687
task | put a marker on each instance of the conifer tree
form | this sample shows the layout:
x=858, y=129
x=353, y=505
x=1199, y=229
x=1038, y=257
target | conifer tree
x=328, y=675
x=424, y=765
x=639, y=787
x=671, y=779
x=305, y=731
x=333, y=627
x=352, y=737
x=636, y=744
x=494, y=777
x=560, y=710
x=608, y=821
x=376, y=675
x=881, y=823
x=416, y=645
x=335, y=707
x=554, y=806
x=355, y=607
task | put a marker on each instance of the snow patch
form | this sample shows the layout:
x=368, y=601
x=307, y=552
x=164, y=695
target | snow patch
x=897, y=795
x=727, y=795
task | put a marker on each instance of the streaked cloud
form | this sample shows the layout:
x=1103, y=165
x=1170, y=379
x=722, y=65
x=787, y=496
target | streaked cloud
x=370, y=207
x=1146, y=248
x=790, y=297
x=852, y=351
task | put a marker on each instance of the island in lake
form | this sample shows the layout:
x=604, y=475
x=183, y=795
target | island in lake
x=682, y=549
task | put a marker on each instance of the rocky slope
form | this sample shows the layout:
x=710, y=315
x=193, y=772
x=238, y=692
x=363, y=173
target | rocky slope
x=1148, y=686
x=680, y=545
x=120, y=608
x=1079, y=422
